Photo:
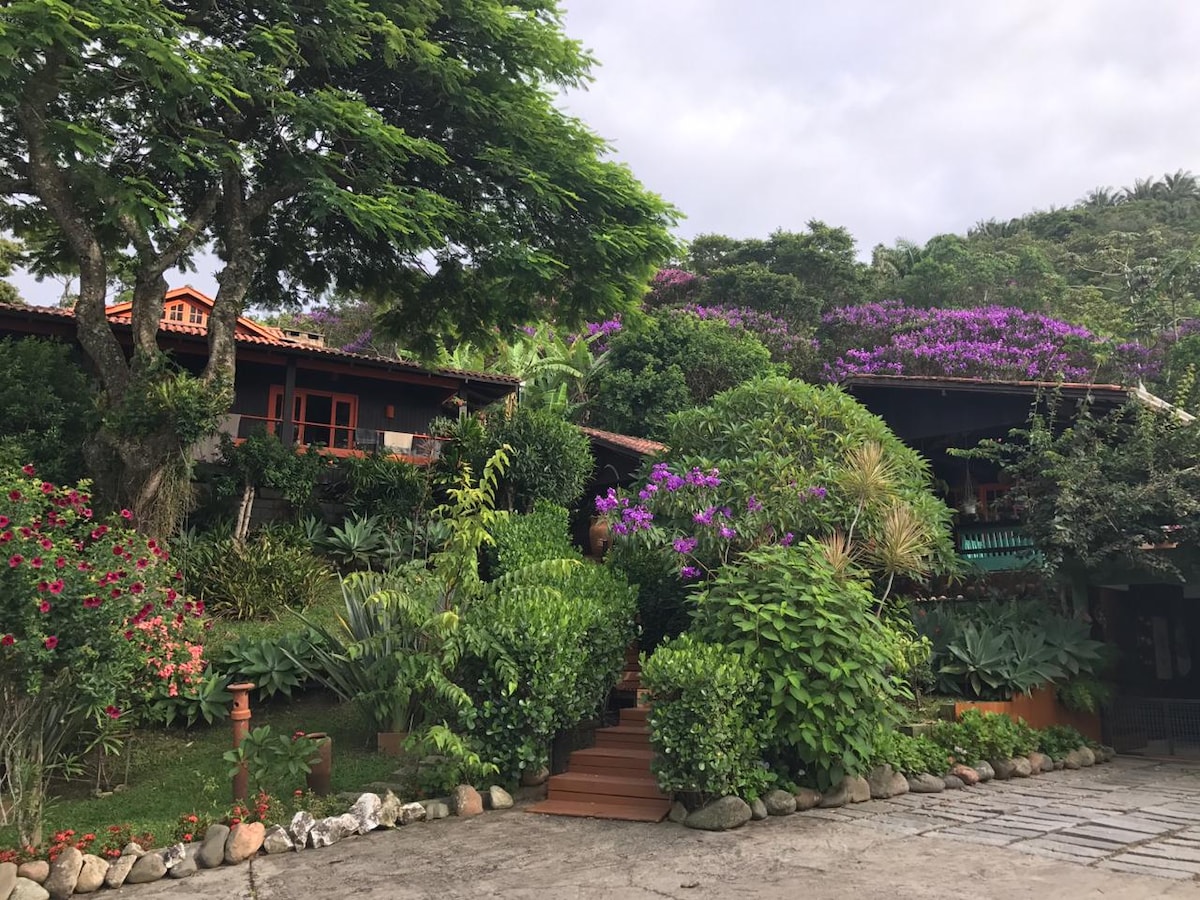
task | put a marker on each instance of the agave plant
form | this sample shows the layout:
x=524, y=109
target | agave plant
x=356, y=543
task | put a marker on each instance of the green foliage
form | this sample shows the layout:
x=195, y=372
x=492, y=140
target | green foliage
x=208, y=700
x=356, y=543
x=983, y=736
x=379, y=487
x=910, y=755
x=669, y=362
x=273, y=758
x=268, y=662
x=262, y=461
x=549, y=458
x=532, y=537
x=447, y=760
x=708, y=724
x=1084, y=694
x=995, y=649
x=391, y=653
x=1096, y=493
x=255, y=579
x=808, y=460
x=555, y=634
x=1059, y=740
x=825, y=660
x=663, y=609
x=47, y=407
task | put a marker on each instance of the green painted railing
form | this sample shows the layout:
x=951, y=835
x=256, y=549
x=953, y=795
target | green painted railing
x=997, y=547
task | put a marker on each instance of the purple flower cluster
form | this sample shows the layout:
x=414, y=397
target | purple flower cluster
x=775, y=333
x=360, y=343
x=986, y=342
x=633, y=517
x=661, y=474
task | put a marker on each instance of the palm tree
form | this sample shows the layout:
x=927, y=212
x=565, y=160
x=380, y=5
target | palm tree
x=1143, y=189
x=1180, y=186
x=1102, y=196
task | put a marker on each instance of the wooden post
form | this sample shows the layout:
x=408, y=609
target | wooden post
x=287, y=428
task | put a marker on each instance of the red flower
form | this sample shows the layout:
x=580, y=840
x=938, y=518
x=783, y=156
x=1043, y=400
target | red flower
x=235, y=821
x=192, y=818
x=51, y=642
x=126, y=514
x=44, y=607
x=36, y=562
x=187, y=837
x=136, y=588
x=56, y=587
x=28, y=469
x=15, y=560
x=112, y=712
x=3, y=521
x=14, y=495
x=7, y=641
x=46, y=543
x=297, y=793
x=61, y=562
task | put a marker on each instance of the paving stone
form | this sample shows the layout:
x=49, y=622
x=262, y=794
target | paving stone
x=1079, y=851
x=1166, y=851
x=1116, y=835
x=974, y=837
x=1107, y=846
x=1132, y=823
x=1156, y=862
x=1134, y=869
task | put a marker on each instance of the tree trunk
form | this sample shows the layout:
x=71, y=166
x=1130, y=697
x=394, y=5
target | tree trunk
x=245, y=509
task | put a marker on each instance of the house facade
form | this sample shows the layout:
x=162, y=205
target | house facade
x=290, y=384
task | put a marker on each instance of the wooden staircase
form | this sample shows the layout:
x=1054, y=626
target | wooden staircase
x=611, y=780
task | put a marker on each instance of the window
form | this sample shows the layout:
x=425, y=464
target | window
x=196, y=316
x=175, y=312
x=319, y=418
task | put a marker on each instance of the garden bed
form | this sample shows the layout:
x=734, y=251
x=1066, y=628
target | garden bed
x=1039, y=708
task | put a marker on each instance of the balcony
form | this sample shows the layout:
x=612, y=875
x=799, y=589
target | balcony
x=343, y=440
x=996, y=546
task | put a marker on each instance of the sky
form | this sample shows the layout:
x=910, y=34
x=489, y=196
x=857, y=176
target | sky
x=895, y=120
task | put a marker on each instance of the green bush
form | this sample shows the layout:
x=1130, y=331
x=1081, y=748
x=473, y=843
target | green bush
x=255, y=579
x=263, y=461
x=1059, y=740
x=825, y=660
x=388, y=489
x=910, y=755
x=663, y=609
x=268, y=662
x=708, y=725
x=1084, y=694
x=993, y=650
x=983, y=736
x=47, y=408
x=555, y=632
x=532, y=537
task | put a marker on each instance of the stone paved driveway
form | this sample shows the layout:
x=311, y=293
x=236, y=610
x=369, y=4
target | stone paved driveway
x=1130, y=815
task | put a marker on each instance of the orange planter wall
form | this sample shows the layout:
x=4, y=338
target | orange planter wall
x=1040, y=709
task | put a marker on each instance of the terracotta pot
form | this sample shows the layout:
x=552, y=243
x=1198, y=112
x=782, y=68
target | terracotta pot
x=391, y=743
x=320, y=776
x=599, y=537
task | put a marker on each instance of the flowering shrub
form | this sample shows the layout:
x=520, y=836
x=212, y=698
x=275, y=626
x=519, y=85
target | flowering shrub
x=86, y=597
x=891, y=338
x=785, y=342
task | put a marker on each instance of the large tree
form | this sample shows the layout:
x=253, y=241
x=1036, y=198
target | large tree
x=406, y=151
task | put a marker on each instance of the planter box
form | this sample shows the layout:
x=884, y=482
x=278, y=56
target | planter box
x=1039, y=708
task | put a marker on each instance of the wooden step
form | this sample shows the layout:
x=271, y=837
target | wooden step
x=653, y=811
x=634, y=715
x=633, y=736
x=642, y=786
x=612, y=761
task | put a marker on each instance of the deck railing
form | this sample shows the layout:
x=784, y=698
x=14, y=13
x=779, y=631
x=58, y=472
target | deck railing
x=996, y=546
x=347, y=440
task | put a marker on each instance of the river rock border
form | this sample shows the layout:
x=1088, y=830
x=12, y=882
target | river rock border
x=881, y=783
x=74, y=872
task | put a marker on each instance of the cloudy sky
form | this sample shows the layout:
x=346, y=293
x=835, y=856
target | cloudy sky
x=892, y=119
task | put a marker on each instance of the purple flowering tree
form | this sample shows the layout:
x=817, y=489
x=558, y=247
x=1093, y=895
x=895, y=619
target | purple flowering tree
x=994, y=342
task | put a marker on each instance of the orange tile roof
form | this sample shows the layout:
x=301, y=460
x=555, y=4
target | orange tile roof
x=625, y=442
x=265, y=339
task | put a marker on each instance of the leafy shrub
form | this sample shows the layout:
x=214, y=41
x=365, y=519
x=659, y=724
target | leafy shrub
x=268, y=662
x=984, y=736
x=663, y=609
x=47, y=407
x=550, y=459
x=357, y=543
x=556, y=632
x=389, y=653
x=994, y=650
x=824, y=658
x=536, y=536
x=910, y=755
x=255, y=579
x=1059, y=740
x=1084, y=694
x=262, y=460
x=378, y=486
x=708, y=725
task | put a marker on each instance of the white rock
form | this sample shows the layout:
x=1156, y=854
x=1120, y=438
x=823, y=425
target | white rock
x=499, y=798
x=366, y=812
x=332, y=829
x=277, y=840
x=411, y=812
x=300, y=828
x=389, y=810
